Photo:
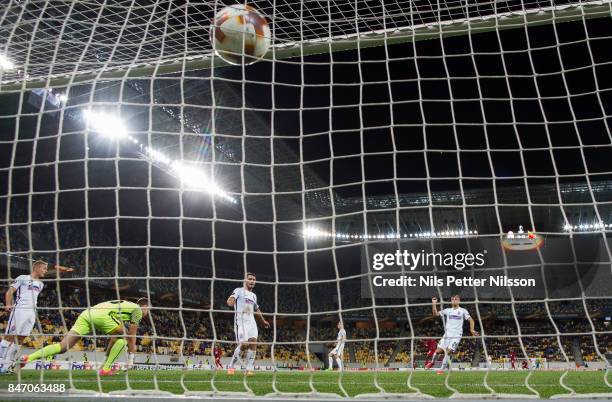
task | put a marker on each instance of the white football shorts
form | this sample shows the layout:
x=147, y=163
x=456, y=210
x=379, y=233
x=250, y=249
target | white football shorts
x=21, y=321
x=245, y=331
x=449, y=342
x=338, y=350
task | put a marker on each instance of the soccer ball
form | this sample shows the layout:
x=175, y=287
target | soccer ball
x=240, y=34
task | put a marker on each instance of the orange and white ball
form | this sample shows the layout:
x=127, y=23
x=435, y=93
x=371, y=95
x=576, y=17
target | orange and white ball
x=240, y=34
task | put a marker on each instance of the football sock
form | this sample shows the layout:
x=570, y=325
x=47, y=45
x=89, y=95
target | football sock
x=235, y=357
x=445, y=361
x=11, y=355
x=114, y=353
x=339, y=363
x=49, y=350
x=250, y=359
x=330, y=361
x=4, y=345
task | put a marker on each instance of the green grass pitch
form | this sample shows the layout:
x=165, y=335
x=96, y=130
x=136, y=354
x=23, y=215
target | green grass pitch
x=353, y=383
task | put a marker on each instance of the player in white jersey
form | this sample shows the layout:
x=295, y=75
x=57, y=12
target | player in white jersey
x=453, y=329
x=21, y=300
x=338, y=350
x=244, y=302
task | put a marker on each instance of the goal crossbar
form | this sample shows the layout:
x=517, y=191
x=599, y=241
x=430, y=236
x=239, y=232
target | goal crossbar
x=449, y=28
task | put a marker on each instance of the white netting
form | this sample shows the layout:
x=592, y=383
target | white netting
x=73, y=41
x=371, y=126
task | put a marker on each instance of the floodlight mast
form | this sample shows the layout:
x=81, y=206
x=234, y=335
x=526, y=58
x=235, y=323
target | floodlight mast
x=190, y=177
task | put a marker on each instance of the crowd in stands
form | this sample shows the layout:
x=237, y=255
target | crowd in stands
x=186, y=320
x=189, y=331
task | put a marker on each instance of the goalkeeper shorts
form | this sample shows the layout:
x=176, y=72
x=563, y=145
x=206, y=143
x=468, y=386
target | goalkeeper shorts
x=89, y=320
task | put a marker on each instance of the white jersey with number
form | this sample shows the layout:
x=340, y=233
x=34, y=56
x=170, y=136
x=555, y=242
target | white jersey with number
x=245, y=306
x=23, y=315
x=340, y=338
x=27, y=292
x=453, y=321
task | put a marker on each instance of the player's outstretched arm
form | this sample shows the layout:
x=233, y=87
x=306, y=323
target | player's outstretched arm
x=434, y=307
x=131, y=344
x=61, y=268
x=8, y=298
x=131, y=338
x=231, y=301
x=265, y=323
x=472, y=330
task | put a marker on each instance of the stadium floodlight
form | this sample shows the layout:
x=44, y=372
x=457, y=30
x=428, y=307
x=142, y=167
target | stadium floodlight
x=311, y=231
x=586, y=227
x=157, y=156
x=5, y=63
x=195, y=178
x=105, y=124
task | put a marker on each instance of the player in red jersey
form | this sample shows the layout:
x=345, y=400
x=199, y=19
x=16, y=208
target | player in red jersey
x=513, y=360
x=218, y=353
x=431, y=345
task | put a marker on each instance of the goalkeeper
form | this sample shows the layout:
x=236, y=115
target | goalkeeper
x=107, y=318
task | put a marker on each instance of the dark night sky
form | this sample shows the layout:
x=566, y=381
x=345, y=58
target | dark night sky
x=430, y=120
x=423, y=115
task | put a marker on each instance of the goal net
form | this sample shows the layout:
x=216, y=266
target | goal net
x=381, y=154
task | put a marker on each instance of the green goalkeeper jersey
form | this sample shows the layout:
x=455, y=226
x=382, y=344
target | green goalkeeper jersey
x=107, y=316
x=120, y=310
